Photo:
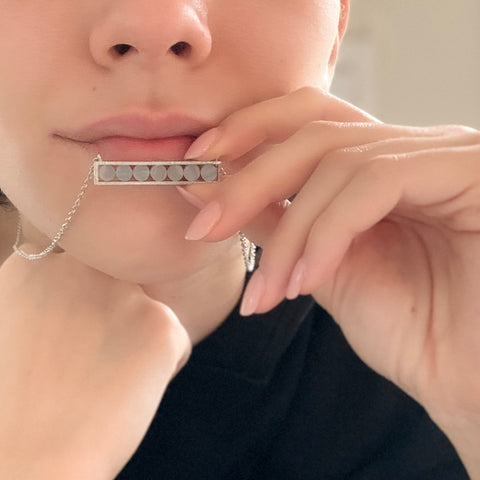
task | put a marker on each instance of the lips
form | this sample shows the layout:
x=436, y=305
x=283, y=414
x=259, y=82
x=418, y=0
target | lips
x=138, y=137
x=130, y=149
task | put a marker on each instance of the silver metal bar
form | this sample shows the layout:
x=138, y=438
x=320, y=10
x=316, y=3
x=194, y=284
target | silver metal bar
x=155, y=173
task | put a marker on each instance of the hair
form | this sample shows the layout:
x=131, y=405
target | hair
x=4, y=201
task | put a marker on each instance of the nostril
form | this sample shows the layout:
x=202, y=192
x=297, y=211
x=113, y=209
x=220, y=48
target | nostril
x=122, y=48
x=180, y=48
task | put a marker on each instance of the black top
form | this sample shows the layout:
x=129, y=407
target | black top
x=282, y=396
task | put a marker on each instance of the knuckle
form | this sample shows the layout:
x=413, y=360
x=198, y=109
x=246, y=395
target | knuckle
x=460, y=129
x=337, y=158
x=309, y=129
x=450, y=130
x=311, y=92
x=345, y=156
x=317, y=127
x=474, y=136
x=381, y=167
x=233, y=121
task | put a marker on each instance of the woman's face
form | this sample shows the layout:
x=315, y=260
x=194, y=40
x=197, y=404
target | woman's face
x=64, y=66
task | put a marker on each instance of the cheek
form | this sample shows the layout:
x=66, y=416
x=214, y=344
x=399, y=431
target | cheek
x=260, y=52
x=41, y=57
x=280, y=45
x=137, y=235
x=26, y=82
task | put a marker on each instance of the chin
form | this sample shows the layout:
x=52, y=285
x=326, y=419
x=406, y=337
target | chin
x=147, y=267
x=147, y=255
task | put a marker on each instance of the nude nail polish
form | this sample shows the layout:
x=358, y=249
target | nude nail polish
x=253, y=294
x=190, y=197
x=296, y=280
x=202, y=144
x=204, y=222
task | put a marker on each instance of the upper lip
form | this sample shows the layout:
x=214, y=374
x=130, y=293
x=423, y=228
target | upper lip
x=138, y=125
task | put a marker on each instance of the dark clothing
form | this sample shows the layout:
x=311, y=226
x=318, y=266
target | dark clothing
x=282, y=396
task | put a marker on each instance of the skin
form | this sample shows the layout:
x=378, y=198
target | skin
x=383, y=232
x=384, y=229
x=62, y=75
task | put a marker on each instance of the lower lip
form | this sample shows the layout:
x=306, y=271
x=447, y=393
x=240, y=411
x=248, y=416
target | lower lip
x=128, y=149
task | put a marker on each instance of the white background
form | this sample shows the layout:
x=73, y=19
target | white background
x=413, y=62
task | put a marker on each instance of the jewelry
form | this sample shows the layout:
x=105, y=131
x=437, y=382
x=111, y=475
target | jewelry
x=209, y=172
x=249, y=250
x=155, y=173
x=63, y=228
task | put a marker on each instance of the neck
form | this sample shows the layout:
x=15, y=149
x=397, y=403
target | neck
x=205, y=299
x=202, y=301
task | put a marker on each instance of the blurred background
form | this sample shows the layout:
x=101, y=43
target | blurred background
x=413, y=62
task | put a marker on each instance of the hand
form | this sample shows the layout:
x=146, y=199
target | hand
x=384, y=232
x=84, y=362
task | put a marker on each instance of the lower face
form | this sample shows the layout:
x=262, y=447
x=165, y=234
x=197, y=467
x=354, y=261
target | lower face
x=59, y=74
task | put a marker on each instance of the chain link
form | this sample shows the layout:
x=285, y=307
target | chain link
x=249, y=250
x=63, y=228
x=248, y=247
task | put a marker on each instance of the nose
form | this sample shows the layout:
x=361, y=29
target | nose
x=151, y=32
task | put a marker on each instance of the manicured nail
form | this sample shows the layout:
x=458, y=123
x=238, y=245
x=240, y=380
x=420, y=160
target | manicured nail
x=191, y=198
x=296, y=280
x=202, y=144
x=204, y=222
x=253, y=294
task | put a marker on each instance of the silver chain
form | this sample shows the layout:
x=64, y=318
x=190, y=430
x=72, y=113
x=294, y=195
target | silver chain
x=248, y=247
x=63, y=228
x=249, y=250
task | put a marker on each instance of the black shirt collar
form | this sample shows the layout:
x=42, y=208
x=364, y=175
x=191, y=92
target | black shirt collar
x=250, y=347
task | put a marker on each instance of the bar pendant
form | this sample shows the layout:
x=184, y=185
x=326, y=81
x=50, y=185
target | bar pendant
x=155, y=173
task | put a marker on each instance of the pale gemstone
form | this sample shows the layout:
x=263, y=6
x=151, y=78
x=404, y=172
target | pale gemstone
x=192, y=173
x=141, y=173
x=175, y=173
x=159, y=173
x=124, y=173
x=106, y=173
x=210, y=173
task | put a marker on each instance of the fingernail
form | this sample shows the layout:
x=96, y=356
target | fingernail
x=204, y=222
x=296, y=280
x=253, y=294
x=202, y=144
x=191, y=198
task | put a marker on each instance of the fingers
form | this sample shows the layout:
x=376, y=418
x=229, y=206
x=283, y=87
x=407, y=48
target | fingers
x=421, y=179
x=346, y=177
x=282, y=171
x=273, y=121
x=440, y=181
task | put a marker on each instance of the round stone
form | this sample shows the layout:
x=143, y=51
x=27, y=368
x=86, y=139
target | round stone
x=106, y=173
x=159, y=173
x=210, y=173
x=175, y=173
x=141, y=173
x=124, y=173
x=192, y=173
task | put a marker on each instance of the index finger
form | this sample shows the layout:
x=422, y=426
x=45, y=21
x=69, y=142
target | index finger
x=273, y=121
